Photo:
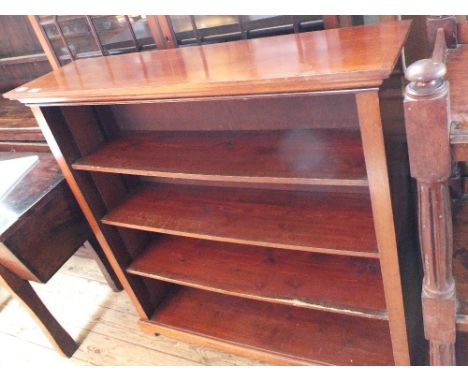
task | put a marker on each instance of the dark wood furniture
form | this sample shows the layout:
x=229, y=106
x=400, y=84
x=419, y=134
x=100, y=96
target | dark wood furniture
x=41, y=226
x=243, y=191
x=436, y=108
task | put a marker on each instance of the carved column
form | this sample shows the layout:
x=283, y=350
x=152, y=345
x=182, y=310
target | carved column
x=427, y=124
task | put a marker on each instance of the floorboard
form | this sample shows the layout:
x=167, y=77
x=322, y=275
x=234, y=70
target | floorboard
x=103, y=322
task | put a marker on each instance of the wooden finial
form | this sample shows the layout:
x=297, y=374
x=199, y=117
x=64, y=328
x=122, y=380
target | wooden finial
x=448, y=24
x=427, y=77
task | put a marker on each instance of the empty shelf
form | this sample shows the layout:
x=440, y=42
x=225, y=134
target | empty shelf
x=332, y=283
x=339, y=223
x=271, y=332
x=309, y=156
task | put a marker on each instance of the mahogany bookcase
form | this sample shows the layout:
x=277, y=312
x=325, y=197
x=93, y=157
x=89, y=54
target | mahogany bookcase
x=243, y=191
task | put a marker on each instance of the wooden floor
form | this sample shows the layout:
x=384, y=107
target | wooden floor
x=103, y=322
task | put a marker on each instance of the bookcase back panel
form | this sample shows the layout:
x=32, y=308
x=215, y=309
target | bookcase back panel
x=287, y=111
x=77, y=130
x=149, y=180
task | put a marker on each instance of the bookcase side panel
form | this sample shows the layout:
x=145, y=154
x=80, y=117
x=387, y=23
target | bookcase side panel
x=56, y=130
x=376, y=163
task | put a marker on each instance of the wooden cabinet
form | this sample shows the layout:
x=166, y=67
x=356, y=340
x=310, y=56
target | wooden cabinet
x=243, y=191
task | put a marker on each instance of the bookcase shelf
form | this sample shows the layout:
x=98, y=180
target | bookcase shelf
x=300, y=156
x=280, y=276
x=338, y=223
x=272, y=332
x=246, y=194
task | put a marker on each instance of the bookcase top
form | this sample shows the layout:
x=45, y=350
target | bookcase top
x=335, y=59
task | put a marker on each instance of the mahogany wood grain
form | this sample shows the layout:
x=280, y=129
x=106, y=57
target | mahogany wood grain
x=50, y=232
x=319, y=222
x=249, y=112
x=41, y=228
x=296, y=278
x=288, y=156
x=261, y=186
x=272, y=332
x=41, y=225
x=427, y=115
x=85, y=127
x=439, y=302
x=262, y=85
x=343, y=58
x=56, y=131
x=88, y=134
x=14, y=264
x=377, y=173
x=38, y=180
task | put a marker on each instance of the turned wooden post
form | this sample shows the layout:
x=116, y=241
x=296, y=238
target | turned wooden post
x=427, y=125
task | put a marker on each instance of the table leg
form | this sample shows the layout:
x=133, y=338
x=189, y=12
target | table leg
x=24, y=292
